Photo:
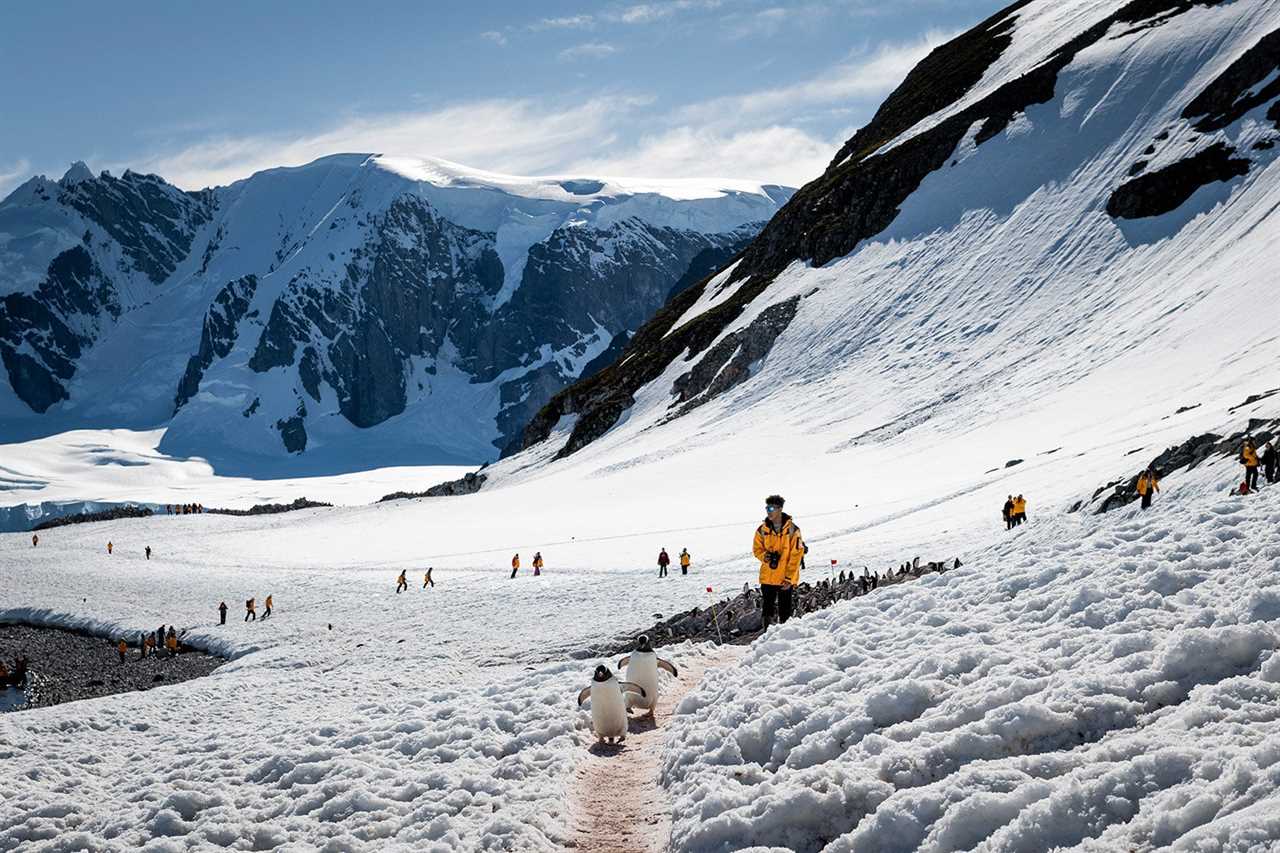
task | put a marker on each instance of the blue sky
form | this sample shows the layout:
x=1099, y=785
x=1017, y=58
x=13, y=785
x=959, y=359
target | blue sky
x=205, y=93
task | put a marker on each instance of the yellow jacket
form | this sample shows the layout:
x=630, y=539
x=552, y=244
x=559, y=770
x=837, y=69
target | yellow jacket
x=537, y=562
x=1249, y=454
x=268, y=602
x=1147, y=484
x=172, y=642
x=788, y=543
x=515, y=562
x=684, y=560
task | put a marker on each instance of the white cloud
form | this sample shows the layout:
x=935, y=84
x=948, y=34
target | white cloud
x=587, y=50
x=518, y=136
x=647, y=13
x=864, y=78
x=568, y=22
x=773, y=154
x=11, y=176
x=495, y=37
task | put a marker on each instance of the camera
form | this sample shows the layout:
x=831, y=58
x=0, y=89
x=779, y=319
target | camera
x=774, y=558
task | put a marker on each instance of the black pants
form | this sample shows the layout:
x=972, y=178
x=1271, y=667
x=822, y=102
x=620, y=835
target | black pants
x=775, y=603
x=251, y=615
x=223, y=617
x=684, y=570
x=268, y=611
x=662, y=570
x=1251, y=476
x=1270, y=472
x=513, y=572
x=1146, y=500
x=401, y=585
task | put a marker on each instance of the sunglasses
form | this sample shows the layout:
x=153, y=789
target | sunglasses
x=771, y=508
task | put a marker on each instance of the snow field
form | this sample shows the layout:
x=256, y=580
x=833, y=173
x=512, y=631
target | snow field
x=1086, y=683
x=436, y=720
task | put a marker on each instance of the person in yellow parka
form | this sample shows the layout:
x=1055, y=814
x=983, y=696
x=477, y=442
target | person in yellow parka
x=515, y=565
x=122, y=647
x=171, y=643
x=1148, y=485
x=1249, y=456
x=779, y=548
x=537, y=563
x=1019, y=510
x=109, y=547
x=684, y=561
x=267, y=603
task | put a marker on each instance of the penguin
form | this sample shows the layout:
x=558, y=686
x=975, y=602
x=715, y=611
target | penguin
x=642, y=669
x=608, y=705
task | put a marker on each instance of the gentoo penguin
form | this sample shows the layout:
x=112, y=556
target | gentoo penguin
x=608, y=706
x=642, y=669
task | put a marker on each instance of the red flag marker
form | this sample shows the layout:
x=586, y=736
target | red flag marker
x=708, y=589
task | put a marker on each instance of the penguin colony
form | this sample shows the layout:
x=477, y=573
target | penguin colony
x=611, y=698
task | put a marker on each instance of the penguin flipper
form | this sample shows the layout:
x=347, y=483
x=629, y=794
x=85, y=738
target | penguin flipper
x=668, y=666
x=584, y=695
x=622, y=663
x=632, y=687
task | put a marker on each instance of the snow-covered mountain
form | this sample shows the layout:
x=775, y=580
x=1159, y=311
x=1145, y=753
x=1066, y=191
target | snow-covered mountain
x=1069, y=200
x=299, y=309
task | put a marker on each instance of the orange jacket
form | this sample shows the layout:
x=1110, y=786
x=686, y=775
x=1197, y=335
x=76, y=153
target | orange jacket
x=1249, y=455
x=684, y=560
x=537, y=562
x=1019, y=505
x=171, y=643
x=515, y=562
x=1147, y=484
x=268, y=602
x=788, y=543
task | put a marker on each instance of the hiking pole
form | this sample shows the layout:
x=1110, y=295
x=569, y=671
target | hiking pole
x=714, y=617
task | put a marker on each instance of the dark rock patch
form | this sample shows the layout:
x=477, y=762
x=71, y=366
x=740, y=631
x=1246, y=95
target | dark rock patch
x=111, y=514
x=468, y=485
x=218, y=334
x=65, y=666
x=1228, y=98
x=1188, y=455
x=729, y=362
x=1167, y=189
x=271, y=509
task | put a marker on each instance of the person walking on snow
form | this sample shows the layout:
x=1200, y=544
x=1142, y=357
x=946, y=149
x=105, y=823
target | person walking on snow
x=222, y=613
x=1270, y=462
x=663, y=562
x=1007, y=513
x=1148, y=485
x=515, y=565
x=267, y=603
x=1019, y=510
x=779, y=548
x=250, y=610
x=684, y=561
x=1249, y=456
x=147, y=550
x=171, y=643
x=35, y=539
x=402, y=583
x=426, y=579
x=109, y=547
x=537, y=563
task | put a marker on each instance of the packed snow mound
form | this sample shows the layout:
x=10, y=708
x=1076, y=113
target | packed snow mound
x=1090, y=683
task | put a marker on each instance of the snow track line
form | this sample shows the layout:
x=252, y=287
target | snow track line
x=612, y=538
x=618, y=804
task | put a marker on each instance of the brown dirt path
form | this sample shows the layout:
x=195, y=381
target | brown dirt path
x=618, y=805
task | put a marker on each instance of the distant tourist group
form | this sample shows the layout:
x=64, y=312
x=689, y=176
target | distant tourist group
x=151, y=643
x=183, y=509
x=402, y=582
